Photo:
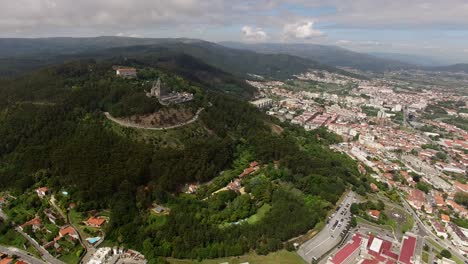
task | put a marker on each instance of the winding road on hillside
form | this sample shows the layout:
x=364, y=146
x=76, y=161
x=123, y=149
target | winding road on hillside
x=133, y=125
x=23, y=255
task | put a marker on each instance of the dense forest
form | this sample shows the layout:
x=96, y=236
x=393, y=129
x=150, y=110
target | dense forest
x=53, y=132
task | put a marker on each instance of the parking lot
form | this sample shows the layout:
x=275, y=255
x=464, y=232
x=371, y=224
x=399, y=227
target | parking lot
x=331, y=234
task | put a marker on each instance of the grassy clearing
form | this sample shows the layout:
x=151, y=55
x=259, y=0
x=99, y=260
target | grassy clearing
x=262, y=211
x=280, y=257
x=361, y=220
x=425, y=257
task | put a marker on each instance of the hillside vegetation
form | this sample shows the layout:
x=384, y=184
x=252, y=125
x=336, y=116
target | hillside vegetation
x=53, y=133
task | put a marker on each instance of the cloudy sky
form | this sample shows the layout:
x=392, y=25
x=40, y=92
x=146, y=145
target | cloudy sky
x=437, y=28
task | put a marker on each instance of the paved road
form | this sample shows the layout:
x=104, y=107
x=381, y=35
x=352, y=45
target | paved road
x=330, y=235
x=128, y=124
x=44, y=253
x=57, y=208
x=427, y=230
x=3, y=215
x=26, y=256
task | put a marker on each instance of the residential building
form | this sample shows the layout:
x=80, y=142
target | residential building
x=126, y=72
x=95, y=221
x=43, y=191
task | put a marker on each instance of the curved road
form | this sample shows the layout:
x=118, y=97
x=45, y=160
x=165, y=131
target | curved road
x=128, y=124
x=421, y=224
x=44, y=253
x=21, y=254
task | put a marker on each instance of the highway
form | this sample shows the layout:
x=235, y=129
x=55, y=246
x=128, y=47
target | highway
x=21, y=254
x=330, y=235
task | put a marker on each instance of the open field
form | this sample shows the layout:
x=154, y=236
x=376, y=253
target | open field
x=280, y=257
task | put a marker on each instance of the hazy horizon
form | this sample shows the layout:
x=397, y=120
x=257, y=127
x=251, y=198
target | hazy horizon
x=426, y=28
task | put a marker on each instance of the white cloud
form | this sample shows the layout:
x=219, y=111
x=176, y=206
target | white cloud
x=254, y=34
x=343, y=42
x=465, y=50
x=363, y=43
x=301, y=30
x=121, y=34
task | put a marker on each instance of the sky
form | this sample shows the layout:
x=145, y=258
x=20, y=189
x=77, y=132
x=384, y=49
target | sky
x=435, y=28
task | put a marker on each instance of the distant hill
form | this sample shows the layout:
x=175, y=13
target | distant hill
x=461, y=67
x=330, y=55
x=17, y=55
x=410, y=58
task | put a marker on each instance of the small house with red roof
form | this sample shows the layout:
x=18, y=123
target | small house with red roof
x=42, y=191
x=374, y=214
x=374, y=187
x=35, y=223
x=68, y=231
x=95, y=221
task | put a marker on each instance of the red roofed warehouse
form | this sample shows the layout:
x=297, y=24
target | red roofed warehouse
x=348, y=253
x=407, y=250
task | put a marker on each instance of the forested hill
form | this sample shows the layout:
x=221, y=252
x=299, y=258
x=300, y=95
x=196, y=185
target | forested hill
x=20, y=55
x=53, y=133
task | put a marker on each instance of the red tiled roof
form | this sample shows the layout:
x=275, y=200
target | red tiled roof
x=97, y=221
x=36, y=221
x=43, y=189
x=67, y=231
x=374, y=213
x=445, y=217
x=347, y=250
x=407, y=250
x=7, y=260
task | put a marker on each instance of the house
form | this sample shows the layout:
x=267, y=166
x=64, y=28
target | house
x=234, y=185
x=35, y=223
x=439, y=200
x=458, y=237
x=417, y=198
x=2, y=201
x=374, y=214
x=50, y=215
x=374, y=187
x=253, y=166
x=126, y=72
x=95, y=221
x=68, y=231
x=460, y=187
x=192, y=188
x=458, y=208
x=159, y=209
x=42, y=191
x=445, y=218
x=439, y=229
x=6, y=260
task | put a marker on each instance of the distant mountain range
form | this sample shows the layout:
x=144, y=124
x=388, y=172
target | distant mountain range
x=340, y=57
x=411, y=58
x=274, y=60
x=330, y=55
x=18, y=55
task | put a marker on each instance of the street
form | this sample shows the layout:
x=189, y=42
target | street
x=21, y=254
x=331, y=234
x=427, y=230
x=44, y=253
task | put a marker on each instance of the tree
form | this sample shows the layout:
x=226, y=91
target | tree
x=461, y=198
x=445, y=253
